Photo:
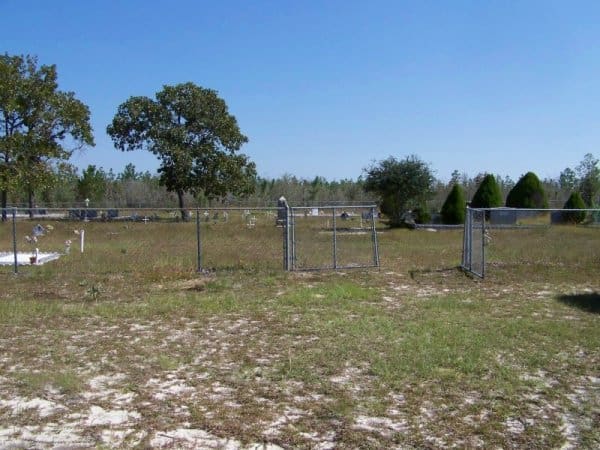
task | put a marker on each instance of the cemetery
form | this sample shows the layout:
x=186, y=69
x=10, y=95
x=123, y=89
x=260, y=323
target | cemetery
x=97, y=345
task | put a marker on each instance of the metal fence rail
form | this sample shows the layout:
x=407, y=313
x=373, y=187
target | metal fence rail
x=333, y=237
x=205, y=239
x=523, y=238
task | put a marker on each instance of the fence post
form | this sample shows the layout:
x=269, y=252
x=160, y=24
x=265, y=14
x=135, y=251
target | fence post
x=483, y=244
x=292, y=240
x=14, y=232
x=374, y=238
x=334, y=241
x=283, y=218
x=198, y=240
x=465, y=228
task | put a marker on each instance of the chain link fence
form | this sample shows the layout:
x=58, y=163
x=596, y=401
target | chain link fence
x=530, y=240
x=118, y=239
x=473, y=258
x=335, y=237
x=202, y=239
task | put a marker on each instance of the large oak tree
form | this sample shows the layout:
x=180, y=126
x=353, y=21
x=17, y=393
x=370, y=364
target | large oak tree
x=195, y=138
x=401, y=185
x=39, y=125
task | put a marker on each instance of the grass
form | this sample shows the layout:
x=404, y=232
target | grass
x=415, y=355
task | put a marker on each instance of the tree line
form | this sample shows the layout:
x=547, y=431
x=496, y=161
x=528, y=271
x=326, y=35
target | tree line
x=197, y=143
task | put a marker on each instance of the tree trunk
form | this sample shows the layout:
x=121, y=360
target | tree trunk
x=4, y=201
x=30, y=203
x=181, y=206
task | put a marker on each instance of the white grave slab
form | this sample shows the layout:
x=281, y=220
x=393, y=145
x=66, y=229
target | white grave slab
x=8, y=258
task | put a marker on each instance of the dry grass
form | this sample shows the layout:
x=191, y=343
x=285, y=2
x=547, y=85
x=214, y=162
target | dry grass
x=127, y=346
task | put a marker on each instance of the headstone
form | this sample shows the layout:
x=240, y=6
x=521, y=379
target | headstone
x=282, y=207
x=503, y=216
x=38, y=230
x=408, y=219
x=557, y=217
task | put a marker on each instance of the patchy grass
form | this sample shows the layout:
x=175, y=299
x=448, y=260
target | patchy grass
x=134, y=349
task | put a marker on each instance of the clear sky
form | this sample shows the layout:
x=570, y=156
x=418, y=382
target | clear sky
x=327, y=87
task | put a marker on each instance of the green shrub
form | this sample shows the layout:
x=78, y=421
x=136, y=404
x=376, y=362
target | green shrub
x=527, y=193
x=575, y=201
x=488, y=194
x=421, y=214
x=453, y=210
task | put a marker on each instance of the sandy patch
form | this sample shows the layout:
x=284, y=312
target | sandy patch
x=380, y=425
x=99, y=416
x=19, y=404
x=189, y=438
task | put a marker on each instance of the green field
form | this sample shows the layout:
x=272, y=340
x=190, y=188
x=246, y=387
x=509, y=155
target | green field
x=126, y=345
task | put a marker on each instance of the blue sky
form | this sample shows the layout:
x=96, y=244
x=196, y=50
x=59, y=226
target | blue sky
x=328, y=87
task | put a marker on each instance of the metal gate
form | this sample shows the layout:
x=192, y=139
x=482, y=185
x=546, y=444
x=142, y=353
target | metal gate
x=473, y=258
x=331, y=237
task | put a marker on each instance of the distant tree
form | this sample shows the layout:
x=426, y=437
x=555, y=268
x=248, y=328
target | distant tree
x=400, y=185
x=527, y=193
x=488, y=194
x=192, y=133
x=92, y=185
x=455, y=177
x=129, y=173
x=453, y=210
x=589, y=179
x=567, y=179
x=40, y=125
x=64, y=188
x=575, y=201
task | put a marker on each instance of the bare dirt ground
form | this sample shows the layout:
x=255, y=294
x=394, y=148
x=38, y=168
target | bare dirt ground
x=236, y=378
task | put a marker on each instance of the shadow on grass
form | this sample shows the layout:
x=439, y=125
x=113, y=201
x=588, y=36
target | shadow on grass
x=587, y=302
x=443, y=271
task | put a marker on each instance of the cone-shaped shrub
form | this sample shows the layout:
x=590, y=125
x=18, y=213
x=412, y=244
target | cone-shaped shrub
x=575, y=201
x=527, y=193
x=453, y=210
x=488, y=194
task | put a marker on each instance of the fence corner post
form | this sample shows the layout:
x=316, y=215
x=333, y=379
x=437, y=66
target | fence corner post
x=14, y=233
x=198, y=241
x=283, y=218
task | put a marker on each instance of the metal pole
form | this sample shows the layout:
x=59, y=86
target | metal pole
x=14, y=230
x=483, y=244
x=374, y=239
x=286, y=239
x=464, y=249
x=198, y=240
x=292, y=263
x=469, y=255
x=334, y=242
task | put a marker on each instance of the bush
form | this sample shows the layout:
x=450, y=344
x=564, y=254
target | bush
x=453, y=210
x=401, y=185
x=421, y=214
x=488, y=194
x=575, y=201
x=527, y=193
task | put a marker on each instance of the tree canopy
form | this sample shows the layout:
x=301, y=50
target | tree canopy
x=527, y=193
x=453, y=209
x=488, y=194
x=401, y=185
x=40, y=126
x=195, y=138
x=589, y=179
x=575, y=201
